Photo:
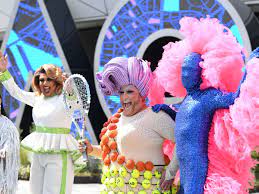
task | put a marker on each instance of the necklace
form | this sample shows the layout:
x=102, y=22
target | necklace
x=141, y=172
x=109, y=147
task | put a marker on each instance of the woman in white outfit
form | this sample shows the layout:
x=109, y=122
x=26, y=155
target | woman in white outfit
x=9, y=155
x=51, y=143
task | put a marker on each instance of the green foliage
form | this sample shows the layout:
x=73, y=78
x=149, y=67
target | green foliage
x=24, y=172
x=92, y=168
x=255, y=155
x=24, y=157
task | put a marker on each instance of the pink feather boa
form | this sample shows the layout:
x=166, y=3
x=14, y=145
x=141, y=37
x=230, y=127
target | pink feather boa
x=221, y=59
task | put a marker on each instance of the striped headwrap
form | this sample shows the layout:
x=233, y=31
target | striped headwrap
x=125, y=71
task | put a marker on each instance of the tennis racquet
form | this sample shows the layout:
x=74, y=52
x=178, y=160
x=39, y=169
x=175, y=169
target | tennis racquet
x=77, y=97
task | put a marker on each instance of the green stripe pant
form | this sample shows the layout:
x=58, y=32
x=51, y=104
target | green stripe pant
x=51, y=174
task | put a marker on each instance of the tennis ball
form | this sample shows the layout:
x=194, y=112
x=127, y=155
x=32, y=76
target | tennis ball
x=107, y=183
x=146, y=184
x=103, y=178
x=119, y=182
x=135, y=173
x=113, y=182
x=123, y=171
x=133, y=182
x=156, y=192
x=113, y=171
x=148, y=174
x=158, y=174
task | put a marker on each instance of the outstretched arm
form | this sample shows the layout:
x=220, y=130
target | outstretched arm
x=224, y=100
x=92, y=150
x=10, y=85
x=168, y=175
x=168, y=109
x=172, y=167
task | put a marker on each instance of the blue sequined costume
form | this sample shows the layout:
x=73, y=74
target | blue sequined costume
x=193, y=122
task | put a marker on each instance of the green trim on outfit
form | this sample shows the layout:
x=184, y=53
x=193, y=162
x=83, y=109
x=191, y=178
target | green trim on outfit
x=5, y=76
x=75, y=154
x=52, y=130
x=43, y=151
x=64, y=174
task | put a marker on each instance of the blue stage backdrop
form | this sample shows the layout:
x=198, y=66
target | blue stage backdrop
x=36, y=37
x=134, y=21
x=28, y=46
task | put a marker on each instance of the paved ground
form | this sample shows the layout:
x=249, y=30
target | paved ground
x=23, y=188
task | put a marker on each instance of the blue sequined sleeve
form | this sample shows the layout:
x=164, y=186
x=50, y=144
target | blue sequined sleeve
x=219, y=99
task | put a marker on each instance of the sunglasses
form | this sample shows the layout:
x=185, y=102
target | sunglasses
x=42, y=80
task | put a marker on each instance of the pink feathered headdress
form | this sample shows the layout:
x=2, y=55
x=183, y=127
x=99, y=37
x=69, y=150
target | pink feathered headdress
x=122, y=71
x=219, y=49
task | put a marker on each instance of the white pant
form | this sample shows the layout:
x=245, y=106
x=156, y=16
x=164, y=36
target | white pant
x=51, y=174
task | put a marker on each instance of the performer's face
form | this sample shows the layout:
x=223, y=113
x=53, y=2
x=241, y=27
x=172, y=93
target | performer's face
x=191, y=71
x=132, y=102
x=47, y=85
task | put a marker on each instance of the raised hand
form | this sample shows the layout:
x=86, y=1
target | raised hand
x=164, y=107
x=165, y=184
x=3, y=62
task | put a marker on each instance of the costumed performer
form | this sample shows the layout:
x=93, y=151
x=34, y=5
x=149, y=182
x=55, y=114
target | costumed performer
x=205, y=68
x=52, y=146
x=9, y=154
x=131, y=140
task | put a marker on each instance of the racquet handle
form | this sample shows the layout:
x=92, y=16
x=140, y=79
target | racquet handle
x=85, y=156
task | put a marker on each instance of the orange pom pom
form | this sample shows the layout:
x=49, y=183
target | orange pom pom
x=105, y=139
x=149, y=165
x=117, y=115
x=120, y=110
x=107, y=161
x=104, y=130
x=106, y=149
x=120, y=159
x=106, y=124
x=112, y=133
x=101, y=134
x=114, y=156
x=130, y=164
x=104, y=155
x=112, y=145
x=112, y=126
x=115, y=120
x=140, y=166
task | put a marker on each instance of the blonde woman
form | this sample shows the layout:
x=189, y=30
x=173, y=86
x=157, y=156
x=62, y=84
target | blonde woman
x=51, y=143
